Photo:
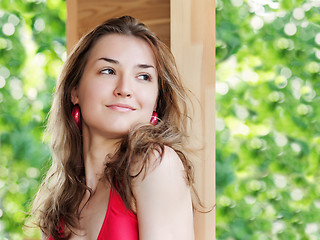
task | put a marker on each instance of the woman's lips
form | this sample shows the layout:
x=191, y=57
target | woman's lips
x=121, y=107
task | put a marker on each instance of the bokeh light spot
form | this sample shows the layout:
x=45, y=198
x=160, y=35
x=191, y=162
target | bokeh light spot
x=281, y=82
x=296, y=147
x=222, y=88
x=250, y=76
x=317, y=38
x=256, y=143
x=32, y=93
x=16, y=88
x=278, y=226
x=280, y=139
x=250, y=200
x=306, y=6
x=2, y=82
x=2, y=183
x=280, y=181
x=274, y=5
x=285, y=71
x=37, y=106
x=317, y=52
x=317, y=203
x=237, y=3
x=311, y=228
x=303, y=109
x=240, y=129
x=282, y=43
x=296, y=194
x=255, y=185
x=276, y=96
x=269, y=17
x=3, y=43
x=256, y=23
x=40, y=60
x=242, y=112
x=233, y=82
x=8, y=29
x=308, y=93
x=220, y=124
x=313, y=67
x=13, y=19
x=224, y=201
x=298, y=13
x=290, y=29
x=32, y=172
x=39, y=25
x=4, y=72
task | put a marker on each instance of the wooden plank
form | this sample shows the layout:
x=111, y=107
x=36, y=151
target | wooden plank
x=72, y=24
x=192, y=43
x=154, y=13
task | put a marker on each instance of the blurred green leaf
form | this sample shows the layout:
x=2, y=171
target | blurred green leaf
x=32, y=48
x=267, y=101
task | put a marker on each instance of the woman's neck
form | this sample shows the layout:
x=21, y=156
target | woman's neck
x=96, y=149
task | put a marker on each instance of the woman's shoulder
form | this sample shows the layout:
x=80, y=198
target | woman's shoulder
x=165, y=171
x=163, y=199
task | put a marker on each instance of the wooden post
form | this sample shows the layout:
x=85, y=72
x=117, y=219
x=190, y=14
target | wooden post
x=192, y=43
x=188, y=27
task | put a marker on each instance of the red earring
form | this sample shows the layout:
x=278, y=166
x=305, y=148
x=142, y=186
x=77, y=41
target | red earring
x=76, y=115
x=154, y=118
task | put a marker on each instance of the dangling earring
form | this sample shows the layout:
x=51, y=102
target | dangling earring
x=154, y=118
x=76, y=115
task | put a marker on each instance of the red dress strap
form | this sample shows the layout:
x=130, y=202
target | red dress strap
x=119, y=222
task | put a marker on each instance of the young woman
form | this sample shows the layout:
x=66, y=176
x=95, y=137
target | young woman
x=118, y=128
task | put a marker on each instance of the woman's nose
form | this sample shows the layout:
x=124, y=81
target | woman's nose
x=123, y=87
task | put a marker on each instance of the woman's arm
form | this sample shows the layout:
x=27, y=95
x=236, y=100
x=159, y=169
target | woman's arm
x=164, y=206
x=43, y=236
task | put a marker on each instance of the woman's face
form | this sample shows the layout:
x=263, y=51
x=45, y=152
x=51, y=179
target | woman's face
x=119, y=86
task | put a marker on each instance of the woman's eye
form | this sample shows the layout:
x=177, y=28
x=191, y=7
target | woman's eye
x=108, y=71
x=145, y=77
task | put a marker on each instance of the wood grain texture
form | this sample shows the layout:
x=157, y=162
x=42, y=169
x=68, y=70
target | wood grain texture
x=192, y=43
x=154, y=13
x=72, y=24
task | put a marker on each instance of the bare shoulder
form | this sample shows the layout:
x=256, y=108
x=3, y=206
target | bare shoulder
x=163, y=200
x=162, y=170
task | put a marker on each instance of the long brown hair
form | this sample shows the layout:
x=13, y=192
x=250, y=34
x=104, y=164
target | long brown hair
x=63, y=188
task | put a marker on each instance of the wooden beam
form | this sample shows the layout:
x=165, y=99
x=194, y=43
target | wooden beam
x=84, y=15
x=193, y=45
x=72, y=24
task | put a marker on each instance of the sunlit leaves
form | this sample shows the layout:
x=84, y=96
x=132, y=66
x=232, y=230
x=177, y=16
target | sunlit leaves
x=268, y=128
x=32, y=49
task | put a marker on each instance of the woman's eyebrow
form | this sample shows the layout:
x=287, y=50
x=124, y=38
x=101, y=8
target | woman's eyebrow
x=110, y=60
x=144, y=66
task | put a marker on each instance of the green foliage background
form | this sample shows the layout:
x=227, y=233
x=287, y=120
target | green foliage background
x=32, y=49
x=267, y=129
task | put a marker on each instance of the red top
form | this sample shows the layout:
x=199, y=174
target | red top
x=119, y=222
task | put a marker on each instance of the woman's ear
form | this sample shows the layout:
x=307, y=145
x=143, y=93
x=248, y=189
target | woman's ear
x=74, y=96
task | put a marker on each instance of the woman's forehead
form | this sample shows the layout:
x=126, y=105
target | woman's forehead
x=123, y=48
